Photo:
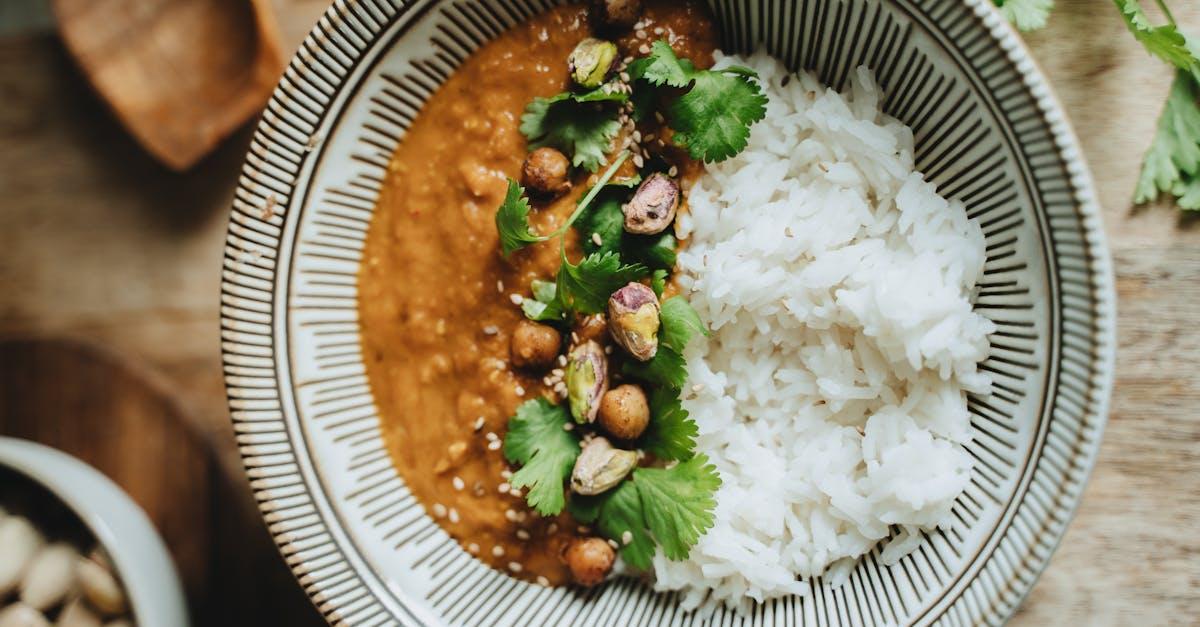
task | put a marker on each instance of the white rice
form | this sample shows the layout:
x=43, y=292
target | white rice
x=832, y=394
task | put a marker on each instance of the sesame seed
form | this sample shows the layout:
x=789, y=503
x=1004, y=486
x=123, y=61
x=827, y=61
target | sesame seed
x=641, y=34
x=542, y=581
x=520, y=390
x=516, y=299
x=439, y=510
x=699, y=387
x=516, y=492
x=583, y=529
x=637, y=136
x=511, y=515
x=626, y=60
x=454, y=515
x=497, y=550
x=458, y=484
x=490, y=330
x=522, y=534
x=674, y=171
x=650, y=137
x=500, y=286
x=607, y=350
x=503, y=488
x=506, y=474
x=658, y=116
x=613, y=544
x=553, y=528
x=597, y=240
x=639, y=161
x=626, y=537
x=658, y=30
x=568, y=427
x=788, y=232
x=644, y=49
x=491, y=436
x=479, y=423
x=473, y=548
x=640, y=25
x=515, y=567
x=494, y=446
x=562, y=360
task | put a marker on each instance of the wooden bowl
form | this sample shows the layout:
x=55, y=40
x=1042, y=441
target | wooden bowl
x=181, y=75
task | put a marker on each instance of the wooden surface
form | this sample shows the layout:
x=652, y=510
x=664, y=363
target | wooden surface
x=98, y=241
x=181, y=75
x=84, y=401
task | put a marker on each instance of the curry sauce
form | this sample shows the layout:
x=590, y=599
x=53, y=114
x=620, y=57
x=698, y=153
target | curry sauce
x=438, y=303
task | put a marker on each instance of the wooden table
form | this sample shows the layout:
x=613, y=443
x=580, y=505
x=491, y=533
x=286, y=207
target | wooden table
x=98, y=242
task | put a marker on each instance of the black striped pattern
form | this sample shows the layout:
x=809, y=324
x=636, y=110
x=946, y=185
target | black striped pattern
x=987, y=133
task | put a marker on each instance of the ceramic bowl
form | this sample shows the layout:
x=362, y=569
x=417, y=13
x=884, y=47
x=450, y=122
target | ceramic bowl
x=988, y=132
x=138, y=554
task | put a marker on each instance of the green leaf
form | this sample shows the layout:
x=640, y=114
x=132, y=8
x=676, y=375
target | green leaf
x=1166, y=42
x=655, y=251
x=1173, y=160
x=678, y=503
x=586, y=287
x=605, y=218
x=580, y=125
x=680, y=323
x=713, y=119
x=1026, y=14
x=667, y=367
x=671, y=434
x=544, y=305
x=512, y=220
x=614, y=513
x=1187, y=194
x=658, y=282
x=537, y=440
x=662, y=67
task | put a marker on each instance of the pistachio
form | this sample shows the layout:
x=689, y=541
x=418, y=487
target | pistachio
x=591, y=62
x=653, y=205
x=600, y=467
x=633, y=320
x=587, y=380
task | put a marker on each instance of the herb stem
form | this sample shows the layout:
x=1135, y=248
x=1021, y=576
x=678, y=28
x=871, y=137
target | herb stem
x=1167, y=12
x=591, y=195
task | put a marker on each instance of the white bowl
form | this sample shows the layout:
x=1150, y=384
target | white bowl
x=118, y=524
x=988, y=132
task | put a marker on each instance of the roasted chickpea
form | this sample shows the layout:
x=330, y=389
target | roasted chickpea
x=623, y=13
x=534, y=345
x=546, y=171
x=624, y=412
x=589, y=560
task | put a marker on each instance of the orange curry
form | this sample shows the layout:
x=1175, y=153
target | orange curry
x=438, y=302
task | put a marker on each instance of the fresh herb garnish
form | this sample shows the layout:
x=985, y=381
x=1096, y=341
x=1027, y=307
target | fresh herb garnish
x=670, y=506
x=667, y=367
x=580, y=125
x=544, y=306
x=680, y=323
x=512, y=220
x=658, y=282
x=1172, y=163
x=586, y=287
x=713, y=118
x=537, y=440
x=602, y=230
x=672, y=434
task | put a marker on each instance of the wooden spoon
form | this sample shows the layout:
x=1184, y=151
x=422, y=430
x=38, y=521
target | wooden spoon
x=180, y=74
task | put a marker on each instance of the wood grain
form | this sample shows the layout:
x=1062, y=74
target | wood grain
x=181, y=75
x=97, y=240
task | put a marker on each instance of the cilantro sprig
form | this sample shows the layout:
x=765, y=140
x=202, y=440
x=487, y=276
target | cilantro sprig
x=578, y=124
x=672, y=507
x=712, y=119
x=537, y=439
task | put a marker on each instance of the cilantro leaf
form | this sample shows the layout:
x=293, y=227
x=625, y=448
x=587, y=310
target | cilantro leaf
x=512, y=220
x=586, y=287
x=605, y=218
x=671, y=434
x=1166, y=42
x=680, y=323
x=544, y=305
x=713, y=118
x=678, y=503
x=1026, y=14
x=662, y=67
x=546, y=452
x=655, y=251
x=1174, y=156
x=577, y=124
x=667, y=368
x=658, y=282
x=616, y=512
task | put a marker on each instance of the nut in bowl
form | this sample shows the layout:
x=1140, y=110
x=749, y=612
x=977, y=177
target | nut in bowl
x=61, y=562
x=706, y=301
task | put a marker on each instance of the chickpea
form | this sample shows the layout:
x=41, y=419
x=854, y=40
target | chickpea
x=623, y=13
x=534, y=345
x=589, y=560
x=624, y=412
x=546, y=171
